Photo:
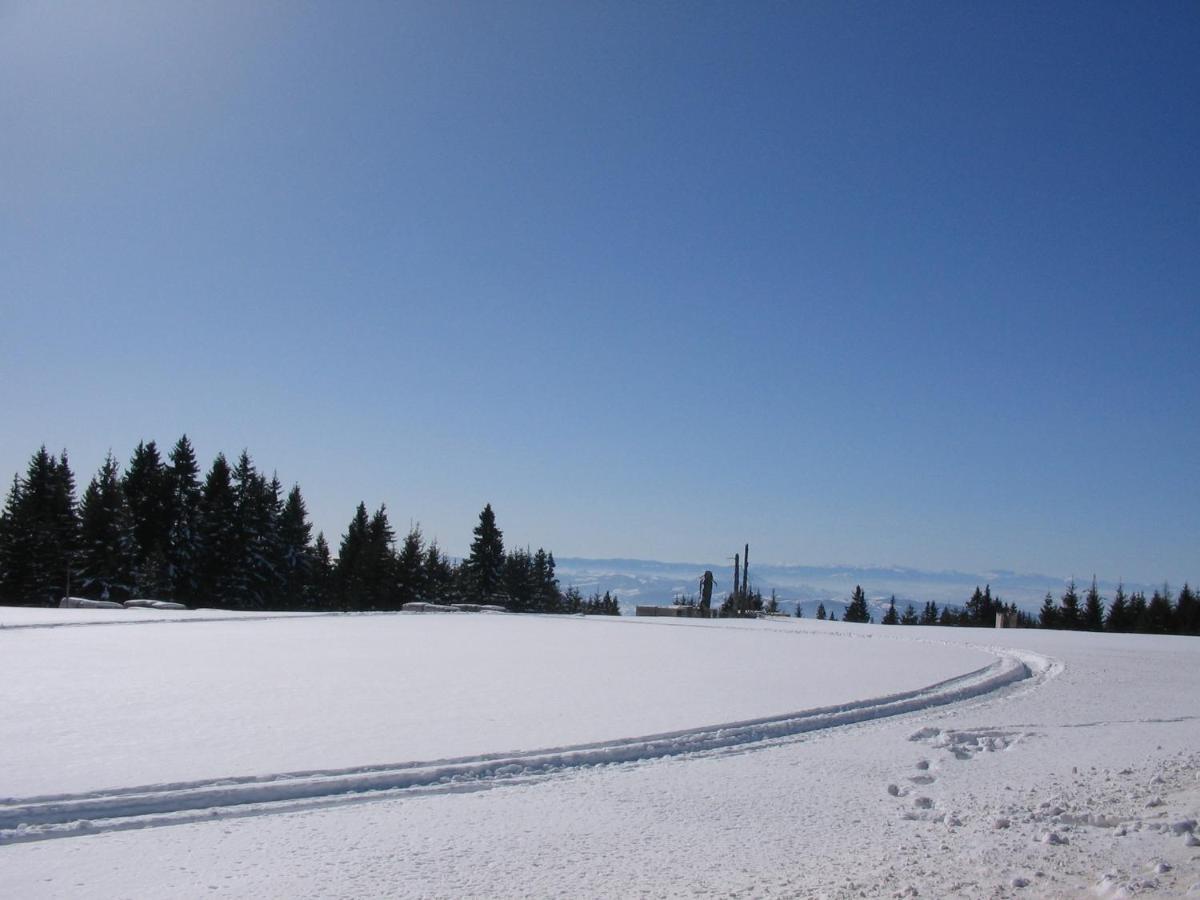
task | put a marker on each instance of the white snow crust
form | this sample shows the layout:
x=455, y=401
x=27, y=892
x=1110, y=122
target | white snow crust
x=461, y=756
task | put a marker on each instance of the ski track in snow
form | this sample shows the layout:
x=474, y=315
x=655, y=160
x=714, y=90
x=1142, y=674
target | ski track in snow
x=48, y=817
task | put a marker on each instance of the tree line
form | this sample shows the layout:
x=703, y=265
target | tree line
x=1163, y=613
x=236, y=539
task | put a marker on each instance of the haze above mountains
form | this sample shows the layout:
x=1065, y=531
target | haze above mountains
x=656, y=583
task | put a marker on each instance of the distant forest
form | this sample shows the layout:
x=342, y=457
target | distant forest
x=237, y=540
x=1163, y=613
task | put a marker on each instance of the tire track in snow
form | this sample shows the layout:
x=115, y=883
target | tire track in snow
x=66, y=815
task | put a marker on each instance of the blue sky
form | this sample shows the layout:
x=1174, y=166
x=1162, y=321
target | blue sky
x=884, y=283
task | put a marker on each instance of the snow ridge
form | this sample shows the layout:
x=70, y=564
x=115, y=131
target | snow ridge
x=66, y=815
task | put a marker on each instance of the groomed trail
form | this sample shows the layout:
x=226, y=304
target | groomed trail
x=66, y=815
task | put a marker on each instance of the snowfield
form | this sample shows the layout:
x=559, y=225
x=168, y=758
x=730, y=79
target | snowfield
x=493, y=755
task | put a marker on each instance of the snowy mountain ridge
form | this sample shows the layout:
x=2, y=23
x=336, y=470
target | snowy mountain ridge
x=655, y=582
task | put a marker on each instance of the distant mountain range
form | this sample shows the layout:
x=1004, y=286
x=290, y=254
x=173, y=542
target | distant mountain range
x=649, y=582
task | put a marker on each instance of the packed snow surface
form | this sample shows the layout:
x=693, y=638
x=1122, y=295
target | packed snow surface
x=470, y=755
x=161, y=702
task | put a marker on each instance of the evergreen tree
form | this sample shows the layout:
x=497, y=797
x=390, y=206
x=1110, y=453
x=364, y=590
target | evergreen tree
x=1137, y=612
x=13, y=551
x=183, y=493
x=410, y=567
x=484, y=566
x=1118, y=618
x=799, y=610
x=296, y=552
x=104, y=563
x=39, y=532
x=218, y=541
x=145, y=489
x=323, y=593
x=351, y=569
x=857, y=610
x=910, y=616
x=1093, y=609
x=381, y=562
x=948, y=616
x=1068, y=612
x=518, y=580
x=1187, y=611
x=821, y=611
x=1159, y=612
x=439, y=573
x=929, y=615
x=891, y=617
x=1048, y=616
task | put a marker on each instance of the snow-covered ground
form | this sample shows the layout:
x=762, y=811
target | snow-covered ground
x=465, y=755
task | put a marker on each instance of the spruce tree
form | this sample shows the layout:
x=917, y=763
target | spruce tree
x=1159, y=612
x=821, y=611
x=105, y=562
x=1187, y=611
x=1137, y=612
x=351, y=568
x=484, y=566
x=218, y=542
x=40, y=531
x=891, y=617
x=910, y=616
x=1048, y=616
x=440, y=575
x=1068, y=612
x=1118, y=618
x=145, y=489
x=1093, y=609
x=296, y=552
x=183, y=492
x=857, y=610
x=410, y=567
x=322, y=593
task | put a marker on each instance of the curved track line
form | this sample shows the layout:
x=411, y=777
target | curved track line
x=66, y=815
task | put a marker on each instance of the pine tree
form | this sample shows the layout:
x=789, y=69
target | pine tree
x=104, y=563
x=323, y=593
x=891, y=617
x=518, y=581
x=799, y=610
x=410, y=567
x=39, y=533
x=182, y=491
x=910, y=616
x=440, y=575
x=857, y=610
x=1048, y=616
x=1118, y=618
x=145, y=489
x=546, y=593
x=484, y=567
x=1093, y=609
x=929, y=615
x=821, y=611
x=218, y=541
x=1159, y=612
x=13, y=552
x=1137, y=612
x=296, y=552
x=1068, y=613
x=351, y=569
x=1187, y=611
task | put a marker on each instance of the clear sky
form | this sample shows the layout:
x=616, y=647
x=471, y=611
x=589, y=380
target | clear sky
x=894, y=283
